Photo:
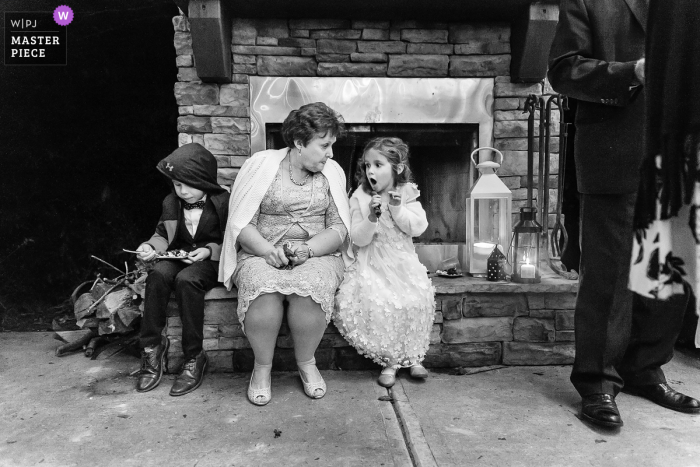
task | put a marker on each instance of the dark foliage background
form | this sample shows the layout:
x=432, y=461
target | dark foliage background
x=78, y=148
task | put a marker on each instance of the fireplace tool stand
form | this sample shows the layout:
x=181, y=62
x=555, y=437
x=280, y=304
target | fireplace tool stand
x=551, y=245
x=558, y=238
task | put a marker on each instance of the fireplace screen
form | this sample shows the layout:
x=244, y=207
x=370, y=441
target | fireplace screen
x=441, y=119
x=439, y=159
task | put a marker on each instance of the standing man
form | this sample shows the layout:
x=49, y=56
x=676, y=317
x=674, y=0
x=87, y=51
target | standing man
x=597, y=57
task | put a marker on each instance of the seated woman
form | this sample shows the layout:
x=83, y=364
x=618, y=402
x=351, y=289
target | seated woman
x=293, y=197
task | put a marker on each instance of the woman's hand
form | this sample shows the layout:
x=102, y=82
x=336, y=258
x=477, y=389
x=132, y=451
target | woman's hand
x=275, y=257
x=301, y=253
x=375, y=207
x=146, y=252
x=394, y=198
x=200, y=254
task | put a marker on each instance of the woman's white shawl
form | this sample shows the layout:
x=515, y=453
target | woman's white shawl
x=249, y=188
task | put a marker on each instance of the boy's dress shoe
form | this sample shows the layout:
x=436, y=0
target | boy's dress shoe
x=601, y=410
x=152, y=364
x=190, y=376
x=665, y=396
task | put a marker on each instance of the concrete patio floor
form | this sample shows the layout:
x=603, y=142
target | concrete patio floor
x=72, y=411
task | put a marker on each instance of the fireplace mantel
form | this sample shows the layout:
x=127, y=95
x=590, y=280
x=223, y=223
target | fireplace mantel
x=532, y=21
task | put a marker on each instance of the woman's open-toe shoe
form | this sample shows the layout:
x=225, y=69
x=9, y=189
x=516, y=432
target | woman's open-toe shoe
x=418, y=371
x=307, y=370
x=260, y=396
x=387, y=377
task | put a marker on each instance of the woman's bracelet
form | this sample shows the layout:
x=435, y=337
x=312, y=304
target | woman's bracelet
x=311, y=252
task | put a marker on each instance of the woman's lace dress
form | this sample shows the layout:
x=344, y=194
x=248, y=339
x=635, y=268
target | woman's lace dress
x=386, y=304
x=294, y=213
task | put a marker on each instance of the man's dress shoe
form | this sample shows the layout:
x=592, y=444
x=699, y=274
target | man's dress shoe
x=665, y=396
x=600, y=409
x=152, y=364
x=190, y=376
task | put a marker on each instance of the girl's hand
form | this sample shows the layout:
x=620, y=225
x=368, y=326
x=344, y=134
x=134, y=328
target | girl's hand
x=375, y=206
x=394, y=198
x=200, y=254
x=275, y=257
x=146, y=252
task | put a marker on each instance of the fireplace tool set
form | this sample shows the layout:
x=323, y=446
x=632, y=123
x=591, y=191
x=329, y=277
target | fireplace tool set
x=553, y=244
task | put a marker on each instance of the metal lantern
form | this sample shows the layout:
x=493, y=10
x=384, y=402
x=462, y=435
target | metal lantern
x=488, y=215
x=526, y=248
x=496, y=266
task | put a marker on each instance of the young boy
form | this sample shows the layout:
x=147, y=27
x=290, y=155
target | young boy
x=193, y=219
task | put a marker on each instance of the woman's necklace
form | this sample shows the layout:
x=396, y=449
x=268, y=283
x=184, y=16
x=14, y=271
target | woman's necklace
x=291, y=177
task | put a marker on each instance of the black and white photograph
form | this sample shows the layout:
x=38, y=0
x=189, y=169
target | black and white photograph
x=402, y=233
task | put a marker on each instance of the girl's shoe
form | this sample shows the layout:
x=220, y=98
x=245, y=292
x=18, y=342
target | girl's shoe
x=387, y=377
x=418, y=371
x=264, y=395
x=307, y=370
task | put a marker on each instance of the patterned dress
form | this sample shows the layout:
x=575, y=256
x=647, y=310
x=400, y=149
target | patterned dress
x=386, y=303
x=294, y=213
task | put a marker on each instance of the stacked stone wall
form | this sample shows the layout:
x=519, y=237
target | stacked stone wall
x=475, y=325
x=218, y=116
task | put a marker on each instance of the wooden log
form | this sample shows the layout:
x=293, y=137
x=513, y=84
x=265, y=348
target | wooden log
x=128, y=314
x=85, y=323
x=70, y=336
x=62, y=350
x=83, y=304
x=92, y=345
x=114, y=300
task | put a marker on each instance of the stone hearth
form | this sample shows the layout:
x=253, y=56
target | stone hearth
x=476, y=322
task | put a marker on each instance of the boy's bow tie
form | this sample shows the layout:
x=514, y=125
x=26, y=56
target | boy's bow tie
x=197, y=205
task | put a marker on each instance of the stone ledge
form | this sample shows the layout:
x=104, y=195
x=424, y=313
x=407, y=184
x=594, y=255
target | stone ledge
x=459, y=285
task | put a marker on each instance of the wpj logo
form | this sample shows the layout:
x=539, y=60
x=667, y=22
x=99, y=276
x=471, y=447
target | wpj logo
x=37, y=38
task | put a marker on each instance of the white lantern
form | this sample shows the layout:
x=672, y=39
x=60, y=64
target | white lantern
x=488, y=215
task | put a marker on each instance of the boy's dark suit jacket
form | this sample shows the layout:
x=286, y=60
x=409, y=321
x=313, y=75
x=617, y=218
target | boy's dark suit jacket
x=592, y=60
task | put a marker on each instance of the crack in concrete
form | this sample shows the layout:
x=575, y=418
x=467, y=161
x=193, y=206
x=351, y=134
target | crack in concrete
x=418, y=447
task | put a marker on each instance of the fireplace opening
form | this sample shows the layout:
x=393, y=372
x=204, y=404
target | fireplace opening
x=439, y=158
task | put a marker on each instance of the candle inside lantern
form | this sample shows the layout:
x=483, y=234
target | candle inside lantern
x=527, y=270
x=482, y=251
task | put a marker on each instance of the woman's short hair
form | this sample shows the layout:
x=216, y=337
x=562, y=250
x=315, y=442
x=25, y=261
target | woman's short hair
x=311, y=120
x=396, y=152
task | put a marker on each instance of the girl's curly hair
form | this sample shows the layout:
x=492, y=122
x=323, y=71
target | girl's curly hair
x=396, y=153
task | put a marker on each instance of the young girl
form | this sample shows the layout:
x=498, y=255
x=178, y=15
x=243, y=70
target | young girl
x=385, y=305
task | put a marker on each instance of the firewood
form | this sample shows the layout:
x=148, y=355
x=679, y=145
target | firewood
x=62, y=350
x=82, y=306
x=92, y=345
x=100, y=300
x=113, y=325
x=128, y=314
x=72, y=336
x=85, y=323
x=99, y=289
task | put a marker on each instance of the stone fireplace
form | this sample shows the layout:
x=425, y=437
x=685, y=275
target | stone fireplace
x=446, y=84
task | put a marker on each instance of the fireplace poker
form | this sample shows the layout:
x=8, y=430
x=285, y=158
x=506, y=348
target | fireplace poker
x=558, y=237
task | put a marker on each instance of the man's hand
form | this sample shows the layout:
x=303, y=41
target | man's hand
x=146, y=252
x=639, y=70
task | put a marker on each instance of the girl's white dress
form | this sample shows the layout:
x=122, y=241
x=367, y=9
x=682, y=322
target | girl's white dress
x=386, y=303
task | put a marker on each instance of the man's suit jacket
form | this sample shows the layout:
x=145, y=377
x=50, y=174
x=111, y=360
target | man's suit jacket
x=592, y=59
